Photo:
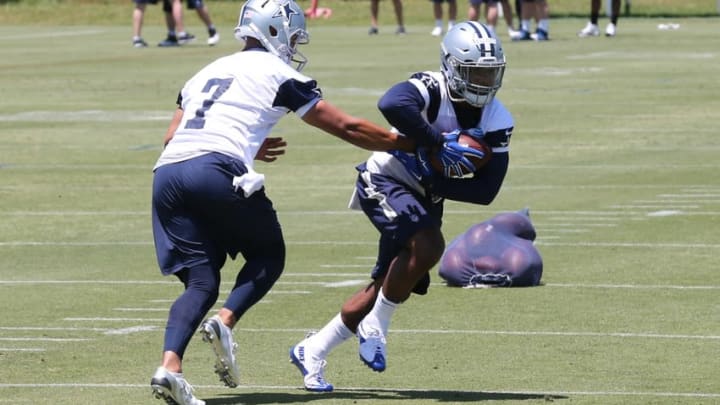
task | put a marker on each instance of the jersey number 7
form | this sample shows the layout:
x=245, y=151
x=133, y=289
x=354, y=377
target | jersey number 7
x=221, y=86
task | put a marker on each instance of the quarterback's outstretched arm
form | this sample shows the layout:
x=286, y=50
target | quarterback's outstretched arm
x=357, y=131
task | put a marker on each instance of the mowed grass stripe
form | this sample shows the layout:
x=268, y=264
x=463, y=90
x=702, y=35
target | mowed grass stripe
x=598, y=123
x=480, y=394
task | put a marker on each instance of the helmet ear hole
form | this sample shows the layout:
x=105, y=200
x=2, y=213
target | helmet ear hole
x=273, y=31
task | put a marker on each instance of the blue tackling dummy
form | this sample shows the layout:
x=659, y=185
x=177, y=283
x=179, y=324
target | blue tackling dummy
x=498, y=252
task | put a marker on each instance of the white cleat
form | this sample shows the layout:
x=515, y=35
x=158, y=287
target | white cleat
x=311, y=367
x=213, y=40
x=372, y=347
x=185, y=38
x=436, y=32
x=172, y=388
x=610, y=30
x=216, y=333
x=590, y=30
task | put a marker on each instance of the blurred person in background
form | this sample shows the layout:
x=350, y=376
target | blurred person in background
x=138, y=18
x=314, y=11
x=539, y=10
x=176, y=25
x=492, y=12
x=592, y=29
x=438, y=15
x=374, y=11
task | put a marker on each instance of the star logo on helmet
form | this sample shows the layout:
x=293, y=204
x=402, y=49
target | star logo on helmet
x=286, y=11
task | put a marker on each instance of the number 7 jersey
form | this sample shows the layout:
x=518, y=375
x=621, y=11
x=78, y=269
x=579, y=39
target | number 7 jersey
x=232, y=104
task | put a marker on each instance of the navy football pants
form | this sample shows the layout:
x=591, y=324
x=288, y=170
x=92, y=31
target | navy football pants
x=198, y=220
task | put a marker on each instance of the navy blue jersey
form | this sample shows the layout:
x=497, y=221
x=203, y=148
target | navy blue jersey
x=392, y=191
x=421, y=108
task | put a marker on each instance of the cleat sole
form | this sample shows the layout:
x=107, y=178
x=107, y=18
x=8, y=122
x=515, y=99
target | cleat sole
x=210, y=334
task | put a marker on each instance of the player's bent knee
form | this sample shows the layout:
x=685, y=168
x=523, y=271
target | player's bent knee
x=428, y=246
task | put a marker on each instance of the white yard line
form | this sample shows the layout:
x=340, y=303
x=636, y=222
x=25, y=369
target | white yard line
x=52, y=34
x=427, y=390
x=153, y=328
x=666, y=245
x=636, y=286
x=103, y=319
x=351, y=277
x=43, y=339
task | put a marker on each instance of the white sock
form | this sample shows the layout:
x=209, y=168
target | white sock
x=525, y=25
x=381, y=313
x=330, y=336
x=544, y=25
x=438, y=23
x=451, y=23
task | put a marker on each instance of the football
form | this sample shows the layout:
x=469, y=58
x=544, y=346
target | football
x=468, y=141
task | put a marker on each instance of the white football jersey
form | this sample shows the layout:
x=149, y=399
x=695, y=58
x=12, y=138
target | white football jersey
x=232, y=104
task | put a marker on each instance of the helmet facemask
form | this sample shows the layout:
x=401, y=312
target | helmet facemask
x=474, y=83
x=299, y=37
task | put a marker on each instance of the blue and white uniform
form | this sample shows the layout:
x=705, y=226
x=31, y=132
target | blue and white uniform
x=229, y=107
x=390, y=188
x=207, y=200
x=231, y=111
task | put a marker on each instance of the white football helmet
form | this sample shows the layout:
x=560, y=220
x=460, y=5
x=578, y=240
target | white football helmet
x=473, y=63
x=278, y=24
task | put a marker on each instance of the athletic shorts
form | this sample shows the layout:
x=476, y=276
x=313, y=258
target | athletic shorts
x=191, y=5
x=478, y=2
x=397, y=212
x=145, y=1
x=199, y=218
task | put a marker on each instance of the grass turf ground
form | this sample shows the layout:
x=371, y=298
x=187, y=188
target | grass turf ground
x=615, y=152
x=345, y=12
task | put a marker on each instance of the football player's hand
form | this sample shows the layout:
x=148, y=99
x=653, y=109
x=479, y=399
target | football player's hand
x=476, y=133
x=271, y=148
x=454, y=159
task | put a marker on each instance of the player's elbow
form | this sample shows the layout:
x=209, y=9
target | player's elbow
x=484, y=199
x=386, y=105
x=484, y=190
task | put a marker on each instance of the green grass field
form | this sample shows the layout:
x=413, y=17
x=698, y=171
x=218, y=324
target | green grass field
x=615, y=152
